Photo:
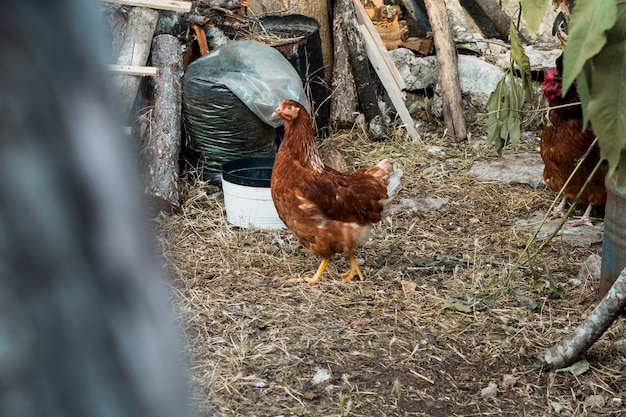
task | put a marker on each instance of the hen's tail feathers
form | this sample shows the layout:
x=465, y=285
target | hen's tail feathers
x=390, y=173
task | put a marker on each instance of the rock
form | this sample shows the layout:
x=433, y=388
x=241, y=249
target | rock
x=595, y=401
x=523, y=168
x=415, y=205
x=477, y=78
x=583, y=236
x=490, y=391
x=417, y=72
x=509, y=380
x=539, y=59
x=321, y=375
x=590, y=269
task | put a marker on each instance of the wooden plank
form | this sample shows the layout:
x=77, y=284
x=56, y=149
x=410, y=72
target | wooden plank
x=134, y=70
x=395, y=93
x=364, y=19
x=174, y=5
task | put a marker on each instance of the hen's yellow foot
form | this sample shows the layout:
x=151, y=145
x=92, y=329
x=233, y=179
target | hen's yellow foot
x=318, y=275
x=354, y=269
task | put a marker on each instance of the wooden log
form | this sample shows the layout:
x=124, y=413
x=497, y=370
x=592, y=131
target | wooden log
x=135, y=51
x=377, y=128
x=396, y=95
x=161, y=151
x=344, y=100
x=500, y=20
x=445, y=49
x=416, y=18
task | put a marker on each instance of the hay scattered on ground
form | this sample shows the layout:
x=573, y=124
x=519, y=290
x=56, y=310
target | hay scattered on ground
x=393, y=344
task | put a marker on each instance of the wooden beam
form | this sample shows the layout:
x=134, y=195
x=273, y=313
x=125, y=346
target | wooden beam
x=134, y=70
x=174, y=5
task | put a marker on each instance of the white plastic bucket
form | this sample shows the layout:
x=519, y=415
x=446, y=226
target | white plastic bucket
x=247, y=194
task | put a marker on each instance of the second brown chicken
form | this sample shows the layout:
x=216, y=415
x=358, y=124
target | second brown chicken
x=563, y=144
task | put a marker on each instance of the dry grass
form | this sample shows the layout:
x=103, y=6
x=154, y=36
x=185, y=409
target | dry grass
x=262, y=346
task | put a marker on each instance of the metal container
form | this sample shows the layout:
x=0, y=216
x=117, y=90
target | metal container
x=614, y=243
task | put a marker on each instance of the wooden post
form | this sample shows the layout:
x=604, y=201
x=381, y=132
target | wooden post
x=445, y=49
x=162, y=148
x=135, y=51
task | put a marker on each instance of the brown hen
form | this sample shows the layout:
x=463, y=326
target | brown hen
x=563, y=143
x=329, y=211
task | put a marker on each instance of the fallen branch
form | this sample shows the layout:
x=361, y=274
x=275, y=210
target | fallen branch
x=575, y=344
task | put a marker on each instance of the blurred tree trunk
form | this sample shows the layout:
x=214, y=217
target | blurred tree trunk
x=86, y=323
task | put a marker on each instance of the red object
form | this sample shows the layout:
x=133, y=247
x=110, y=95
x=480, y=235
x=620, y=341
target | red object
x=563, y=143
x=328, y=211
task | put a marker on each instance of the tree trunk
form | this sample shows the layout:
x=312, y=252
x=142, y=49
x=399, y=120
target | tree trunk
x=135, y=51
x=574, y=345
x=160, y=153
x=377, y=128
x=445, y=49
x=344, y=99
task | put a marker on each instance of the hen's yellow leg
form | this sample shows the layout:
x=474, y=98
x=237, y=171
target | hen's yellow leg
x=317, y=276
x=354, y=269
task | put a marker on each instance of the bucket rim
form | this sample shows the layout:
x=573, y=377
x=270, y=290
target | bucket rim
x=257, y=162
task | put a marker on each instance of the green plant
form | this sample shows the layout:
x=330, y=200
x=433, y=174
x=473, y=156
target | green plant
x=595, y=56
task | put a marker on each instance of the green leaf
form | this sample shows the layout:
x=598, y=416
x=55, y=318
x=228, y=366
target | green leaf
x=458, y=306
x=586, y=37
x=577, y=368
x=583, y=86
x=607, y=107
x=517, y=50
x=534, y=11
x=521, y=296
x=494, y=123
x=621, y=174
x=528, y=86
x=557, y=407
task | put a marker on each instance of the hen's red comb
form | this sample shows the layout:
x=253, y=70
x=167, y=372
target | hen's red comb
x=550, y=74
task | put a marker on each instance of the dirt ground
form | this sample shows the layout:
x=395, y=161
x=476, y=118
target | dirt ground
x=444, y=323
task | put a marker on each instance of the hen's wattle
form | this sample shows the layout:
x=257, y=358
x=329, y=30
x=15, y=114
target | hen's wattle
x=329, y=211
